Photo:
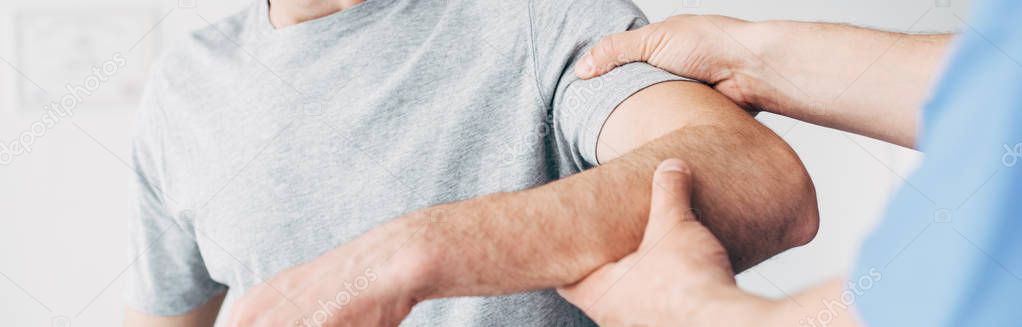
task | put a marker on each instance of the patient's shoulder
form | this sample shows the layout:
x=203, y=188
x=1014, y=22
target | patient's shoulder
x=556, y=13
x=218, y=38
x=220, y=42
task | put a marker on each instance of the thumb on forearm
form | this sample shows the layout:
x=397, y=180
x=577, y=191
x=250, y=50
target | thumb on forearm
x=671, y=199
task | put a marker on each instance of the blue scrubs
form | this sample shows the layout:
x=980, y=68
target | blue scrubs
x=949, y=252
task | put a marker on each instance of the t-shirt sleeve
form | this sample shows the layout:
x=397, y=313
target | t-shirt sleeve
x=167, y=275
x=564, y=31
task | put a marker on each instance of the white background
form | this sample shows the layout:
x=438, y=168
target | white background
x=64, y=206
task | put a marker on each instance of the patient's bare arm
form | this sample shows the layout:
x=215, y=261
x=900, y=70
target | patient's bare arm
x=756, y=196
x=751, y=187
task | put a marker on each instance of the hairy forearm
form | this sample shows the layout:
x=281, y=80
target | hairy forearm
x=859, y=80
x=750, y=187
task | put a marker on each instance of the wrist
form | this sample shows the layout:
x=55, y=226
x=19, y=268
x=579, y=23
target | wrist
x=753, y=72
x=408, y=260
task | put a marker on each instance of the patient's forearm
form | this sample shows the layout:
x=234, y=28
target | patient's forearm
x=751, y=187
x=864, y=81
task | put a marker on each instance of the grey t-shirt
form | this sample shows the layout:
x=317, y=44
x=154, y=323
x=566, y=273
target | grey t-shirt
x=259, y=149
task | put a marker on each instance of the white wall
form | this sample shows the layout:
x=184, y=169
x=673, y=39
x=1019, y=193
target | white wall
x=64, y=206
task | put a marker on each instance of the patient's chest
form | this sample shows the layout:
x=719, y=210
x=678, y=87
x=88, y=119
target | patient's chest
x=275, y=178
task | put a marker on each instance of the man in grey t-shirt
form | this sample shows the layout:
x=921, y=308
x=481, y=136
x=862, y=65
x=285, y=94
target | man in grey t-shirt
x=366, y=163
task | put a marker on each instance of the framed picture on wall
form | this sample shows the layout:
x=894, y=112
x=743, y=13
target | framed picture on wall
x=84, y=59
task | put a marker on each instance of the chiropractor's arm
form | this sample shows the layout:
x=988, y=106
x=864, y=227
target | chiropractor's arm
x=859, y=80
x=752, y=186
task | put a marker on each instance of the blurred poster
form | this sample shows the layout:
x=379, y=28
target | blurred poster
x=84, y=59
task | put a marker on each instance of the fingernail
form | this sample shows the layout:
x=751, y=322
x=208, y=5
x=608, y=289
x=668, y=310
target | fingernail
x=585, y=67
x=673, y=165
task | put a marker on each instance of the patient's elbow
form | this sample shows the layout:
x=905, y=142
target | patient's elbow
x=807, y=220
x=804, y=213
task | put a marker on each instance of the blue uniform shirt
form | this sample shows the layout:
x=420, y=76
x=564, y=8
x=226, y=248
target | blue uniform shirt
x=949, y=252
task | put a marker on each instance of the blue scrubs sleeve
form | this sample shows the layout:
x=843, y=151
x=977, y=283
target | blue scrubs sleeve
x=949, y=250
